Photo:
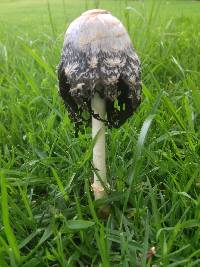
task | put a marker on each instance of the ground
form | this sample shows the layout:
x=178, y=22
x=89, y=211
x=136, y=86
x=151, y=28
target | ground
x=47, y=215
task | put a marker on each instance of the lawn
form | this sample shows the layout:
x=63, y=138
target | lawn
x=47, y=213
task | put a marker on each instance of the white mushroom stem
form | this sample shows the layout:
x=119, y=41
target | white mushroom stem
x=99, y=154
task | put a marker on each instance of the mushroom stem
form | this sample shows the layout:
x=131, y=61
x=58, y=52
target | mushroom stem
x=99, y=155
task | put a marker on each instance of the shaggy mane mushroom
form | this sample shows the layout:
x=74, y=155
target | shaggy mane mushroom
x=99, y=74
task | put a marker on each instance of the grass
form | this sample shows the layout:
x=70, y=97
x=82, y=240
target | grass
x=47, y=215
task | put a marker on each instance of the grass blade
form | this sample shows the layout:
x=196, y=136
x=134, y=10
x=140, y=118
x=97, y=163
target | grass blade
x=6, y=221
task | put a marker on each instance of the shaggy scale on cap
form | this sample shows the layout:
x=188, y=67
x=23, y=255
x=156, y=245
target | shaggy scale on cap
x=98, y=56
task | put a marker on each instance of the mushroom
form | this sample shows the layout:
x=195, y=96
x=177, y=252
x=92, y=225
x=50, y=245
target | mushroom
x=99, y=75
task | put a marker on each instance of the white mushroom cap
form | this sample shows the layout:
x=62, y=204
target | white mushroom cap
x=98, y=56
x=97, y=30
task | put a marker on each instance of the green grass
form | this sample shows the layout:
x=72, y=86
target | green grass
x=47, y=215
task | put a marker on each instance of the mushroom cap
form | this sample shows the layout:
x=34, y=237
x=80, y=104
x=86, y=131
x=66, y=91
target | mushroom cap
x=98, y=56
